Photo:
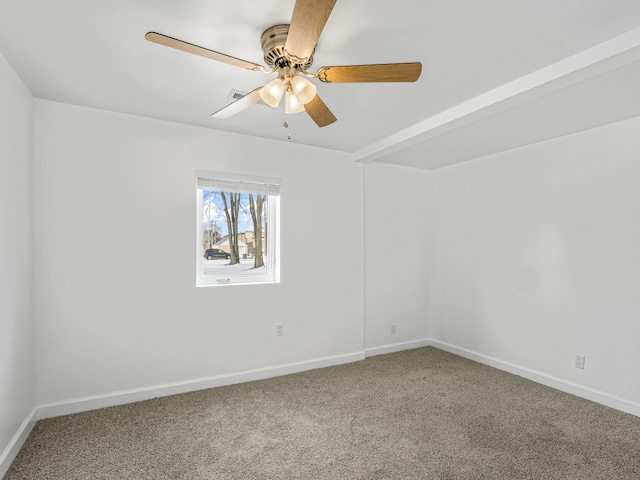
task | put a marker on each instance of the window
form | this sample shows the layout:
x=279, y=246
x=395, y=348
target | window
x=237, y=229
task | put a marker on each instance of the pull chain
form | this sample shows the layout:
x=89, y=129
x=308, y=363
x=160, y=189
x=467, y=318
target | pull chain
x=286, y=125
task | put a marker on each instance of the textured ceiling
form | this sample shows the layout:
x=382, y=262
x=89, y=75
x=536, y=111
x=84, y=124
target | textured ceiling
x=496, y=74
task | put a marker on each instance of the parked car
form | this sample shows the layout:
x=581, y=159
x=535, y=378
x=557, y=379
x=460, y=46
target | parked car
x=210, y=253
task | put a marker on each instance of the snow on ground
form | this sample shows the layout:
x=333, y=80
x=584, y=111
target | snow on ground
x=220, y=267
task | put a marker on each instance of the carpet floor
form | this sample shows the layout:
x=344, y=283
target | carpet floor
x=417, y=414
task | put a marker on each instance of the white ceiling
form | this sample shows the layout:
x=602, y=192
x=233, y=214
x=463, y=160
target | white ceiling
x=497, y=74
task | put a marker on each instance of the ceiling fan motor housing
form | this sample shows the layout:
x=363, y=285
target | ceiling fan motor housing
x=273, y=41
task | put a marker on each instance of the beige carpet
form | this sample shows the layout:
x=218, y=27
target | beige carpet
x=419, y=414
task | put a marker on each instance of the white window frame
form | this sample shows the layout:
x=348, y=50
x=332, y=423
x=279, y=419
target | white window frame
x=246, y=184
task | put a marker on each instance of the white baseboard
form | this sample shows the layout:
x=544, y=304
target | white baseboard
x=118, y=398
x=83, y=404
x=9, y=454
x=139, y=394
x=397, y=347
x=563, y=385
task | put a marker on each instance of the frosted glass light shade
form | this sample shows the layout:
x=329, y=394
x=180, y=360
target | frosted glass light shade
x=305, y=90
x=271, y=93
x=291, y=103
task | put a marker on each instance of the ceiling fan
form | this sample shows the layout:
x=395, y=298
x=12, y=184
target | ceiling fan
x=288, y=52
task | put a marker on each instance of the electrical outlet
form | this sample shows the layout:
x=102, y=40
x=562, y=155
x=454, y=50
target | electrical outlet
x=393, y=329
x=279, y=329
x=578, y=360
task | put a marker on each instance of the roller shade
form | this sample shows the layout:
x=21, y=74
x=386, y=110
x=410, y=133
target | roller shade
x=238, y=184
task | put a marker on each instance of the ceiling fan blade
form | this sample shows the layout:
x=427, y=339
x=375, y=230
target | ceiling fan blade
x=307, y=22
x=239, y=105
x=319, y=112
x=203, y=52
x=385, y=72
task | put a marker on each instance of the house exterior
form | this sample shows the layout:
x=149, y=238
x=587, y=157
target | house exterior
x=223, y=244
x=250, y=240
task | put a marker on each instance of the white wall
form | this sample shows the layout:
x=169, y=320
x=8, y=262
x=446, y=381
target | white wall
x=396, y=271
x=116, y=303
x=16, y=259
x=537, y=257
x=525, y=257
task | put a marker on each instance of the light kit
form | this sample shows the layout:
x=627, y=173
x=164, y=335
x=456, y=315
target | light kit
x=298, y=91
